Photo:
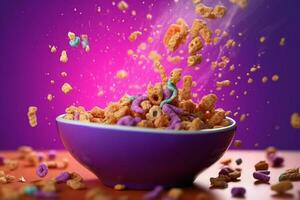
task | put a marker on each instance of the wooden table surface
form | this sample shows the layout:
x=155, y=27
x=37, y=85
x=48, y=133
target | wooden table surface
x=254, y=191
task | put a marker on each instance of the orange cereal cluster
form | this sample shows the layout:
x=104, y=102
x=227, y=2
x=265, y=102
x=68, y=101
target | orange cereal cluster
x=163, y=106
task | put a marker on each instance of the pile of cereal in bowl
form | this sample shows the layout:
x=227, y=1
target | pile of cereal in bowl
x=163, y=106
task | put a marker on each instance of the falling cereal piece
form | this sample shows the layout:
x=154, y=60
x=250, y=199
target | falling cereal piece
x=237, y=143
x=275, y=77
x=241, y=3
x=174, y=59
x=242, y=117
x=66, y=88
x=295, y=120
x=49, y=97
x=194, y=60
x=100, y=93
x=264, y=79
x=122, y=5
x=149, y=16
x=250, y=80
x=282, y=41
x=134, y=35
x=262, y=39
x=231, y=68
x=63, y=57
x=230, y=43
x=121, y=74
x=150, y=40
x=224, y=83
x=32, y=110
x=53, y=49
x=64, y=74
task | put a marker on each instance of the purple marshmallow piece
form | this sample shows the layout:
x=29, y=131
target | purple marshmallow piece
x=266, y=172
x=277, y=161
x=42, y=194
x=128, y=121
x=154, y=194
x=225, y=171
x=261, y=177
x=63, y=177
x=42, y=170
x=238, y=192
x=135, y=106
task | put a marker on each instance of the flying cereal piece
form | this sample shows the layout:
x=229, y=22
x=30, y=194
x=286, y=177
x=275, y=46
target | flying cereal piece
x=49, y=97
x=275, y=77
x=295, y=120
x=242, y=117
x=66, y=88
x=195, y=45
x=174, y=59
x=31, y=114
x=149, y=16
x=71, y=36
x=185, y=93
x=173, y=28
x=206, y=34
x=282, y=41
x=262, y=39
x=224, y=83
x=122, y=5
x=162, y=72
x=241, y=3
x=121, y=74
x=230, y=43
x=196, y=26
x=218, y=12
x=134, y=35
x=232, y=68
x=194, y=60
x=154, y=56
x=209, y=12
x=53, y=49
x=264, y=79
x=150, y=39
x=64, y=74
x=63, y=57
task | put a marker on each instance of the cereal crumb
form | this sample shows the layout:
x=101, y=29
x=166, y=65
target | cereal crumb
x=49, y=97
x=53, y=49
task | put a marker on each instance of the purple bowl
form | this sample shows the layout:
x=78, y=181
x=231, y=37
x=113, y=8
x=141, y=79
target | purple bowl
x=142, y=158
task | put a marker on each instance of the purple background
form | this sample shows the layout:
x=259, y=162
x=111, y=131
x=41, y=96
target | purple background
x=27, y=66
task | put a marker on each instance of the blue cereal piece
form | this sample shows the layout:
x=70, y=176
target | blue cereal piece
x=30, y=190
x=75, y=42
x=174, y=92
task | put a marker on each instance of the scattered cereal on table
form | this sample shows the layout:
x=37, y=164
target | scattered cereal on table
x=238, y=192
x=261, y=177
x=119, y=187
x=282, y=186
x=42, y=170
x=290, y=175
x=261, y=165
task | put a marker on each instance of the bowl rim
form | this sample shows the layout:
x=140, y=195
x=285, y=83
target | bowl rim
x=232, y=126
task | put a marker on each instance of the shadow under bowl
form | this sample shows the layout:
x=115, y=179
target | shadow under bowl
x=142, y=158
